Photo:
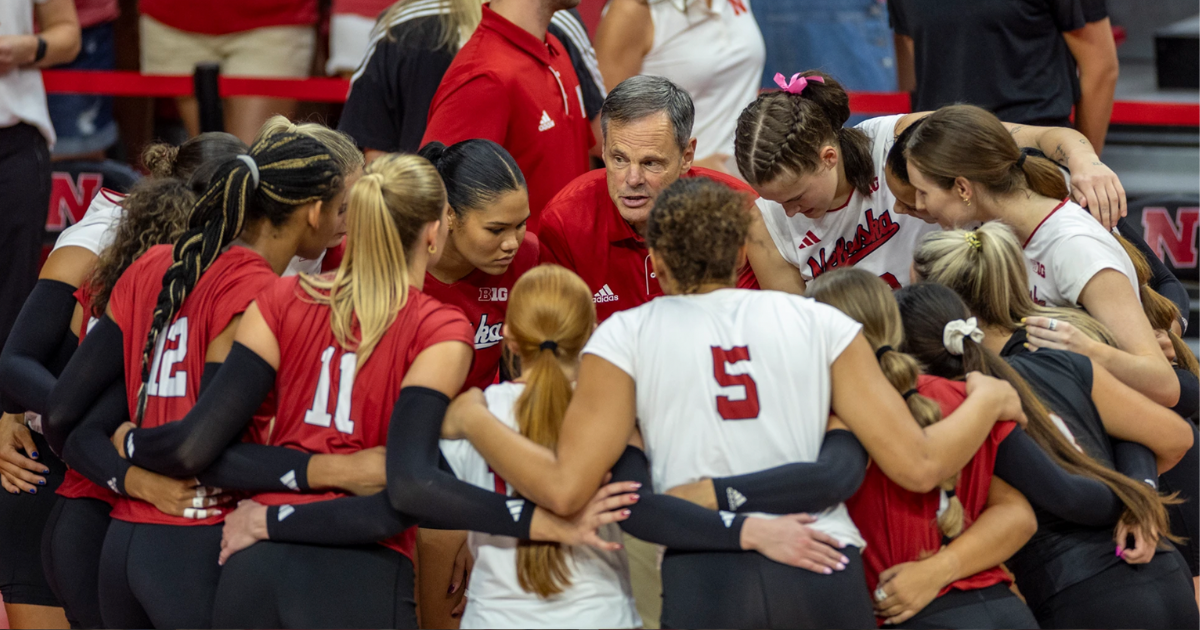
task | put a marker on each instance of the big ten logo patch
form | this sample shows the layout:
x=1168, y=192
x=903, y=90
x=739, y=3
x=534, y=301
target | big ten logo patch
x=70, y=198
x=487, y=335
x=493, y=294
x=1038, y=267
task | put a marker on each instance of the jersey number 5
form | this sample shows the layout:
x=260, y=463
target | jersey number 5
x=318, y=414
x=730, y=409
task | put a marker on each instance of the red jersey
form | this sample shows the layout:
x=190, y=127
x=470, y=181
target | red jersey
x=484, y=299
x=325, y=402
x=365, y=8
x=75, y=485
x=901, y=526
x=223, y=293
x=583, y=231
x=221, y=17
x=508, y=86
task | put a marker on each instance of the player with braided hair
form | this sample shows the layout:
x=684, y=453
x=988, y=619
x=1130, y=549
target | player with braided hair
x=172, y=316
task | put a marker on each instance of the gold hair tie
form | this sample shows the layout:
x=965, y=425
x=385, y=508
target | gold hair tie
x=973, y=240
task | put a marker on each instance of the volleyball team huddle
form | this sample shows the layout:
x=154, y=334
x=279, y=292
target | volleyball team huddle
x=901, y=373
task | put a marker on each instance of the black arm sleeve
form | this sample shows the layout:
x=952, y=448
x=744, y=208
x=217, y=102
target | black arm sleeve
x=344, y=521
x=98, y=364
x=1026, y=467
x=1136, y=462
x=35, y=339
x=418, y=487
x=187, y=447
x=88, y=449
x=1161, y=278
x=1189, y=394
x=666, y=520
x=258, y=468
x=807, y=487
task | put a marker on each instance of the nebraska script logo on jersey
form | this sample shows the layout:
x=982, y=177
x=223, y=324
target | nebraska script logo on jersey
x=867, y=238
x=487, y=336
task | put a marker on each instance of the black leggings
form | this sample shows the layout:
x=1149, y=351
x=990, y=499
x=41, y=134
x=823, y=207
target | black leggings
x=283, y=585
x=22, y=520
x=993, y=607
x=743, y=589
x=161, y=576
x=71, y=548
x=1185, y=517
x=1154, y=595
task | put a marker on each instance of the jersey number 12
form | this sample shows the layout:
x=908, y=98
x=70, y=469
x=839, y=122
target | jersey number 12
x=318, y=414
x=730, y=409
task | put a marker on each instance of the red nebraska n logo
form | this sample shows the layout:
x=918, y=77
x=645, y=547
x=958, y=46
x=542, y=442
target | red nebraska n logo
x=1163, y=236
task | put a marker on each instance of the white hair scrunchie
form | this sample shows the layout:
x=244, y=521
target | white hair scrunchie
x=955, y=331
x=249, y=161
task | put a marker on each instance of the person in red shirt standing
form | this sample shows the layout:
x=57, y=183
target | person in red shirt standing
x=171, y=317
x=595, y=226
x=488, y=247
x=514, y=84
x=249, y=38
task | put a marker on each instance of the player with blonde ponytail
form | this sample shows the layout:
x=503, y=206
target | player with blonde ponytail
x=537, y=584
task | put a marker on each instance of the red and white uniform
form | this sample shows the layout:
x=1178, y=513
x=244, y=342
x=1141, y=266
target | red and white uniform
x=224, y=291
x=325, y=401
x=508, y=86
x=583, y=230
x=484, y=299
x=730, y=382
x=75, y=485
x=1066, y=250
x=599, y=596
x=901, y=526
x=866, y=232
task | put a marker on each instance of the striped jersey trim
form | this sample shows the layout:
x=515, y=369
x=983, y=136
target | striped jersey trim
x=574, y=30
x=418, y=9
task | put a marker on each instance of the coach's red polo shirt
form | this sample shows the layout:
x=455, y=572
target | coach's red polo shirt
x=508, y=86
x=583, y=231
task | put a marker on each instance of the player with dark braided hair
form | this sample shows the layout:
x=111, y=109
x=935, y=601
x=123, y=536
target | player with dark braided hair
x=172, y=316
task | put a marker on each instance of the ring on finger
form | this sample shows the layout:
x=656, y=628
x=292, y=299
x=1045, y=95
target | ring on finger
x=880, y=595
x=1053, y=324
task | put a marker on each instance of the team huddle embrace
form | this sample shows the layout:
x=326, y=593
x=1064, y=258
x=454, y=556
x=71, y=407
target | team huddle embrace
x=913, y=372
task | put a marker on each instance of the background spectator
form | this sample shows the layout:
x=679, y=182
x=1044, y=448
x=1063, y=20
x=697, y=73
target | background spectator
x=849, y=39
x=409, y=51
x=26, y=136
x=351, y=24
x=84, y=122
x=534, y=103
x=711, y=48
x=249, y=38
x=1015, y=58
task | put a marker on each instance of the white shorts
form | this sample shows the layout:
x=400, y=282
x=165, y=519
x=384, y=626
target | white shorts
x=349, y=35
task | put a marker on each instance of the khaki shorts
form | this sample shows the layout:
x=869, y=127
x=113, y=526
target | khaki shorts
x=275, y=51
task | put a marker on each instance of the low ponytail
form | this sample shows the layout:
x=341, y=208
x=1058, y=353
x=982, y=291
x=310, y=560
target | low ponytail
x=1042, y=176
x=389, y=207
x=926, y=308
x=280, y=174
x=550, y=317
x=868, y=300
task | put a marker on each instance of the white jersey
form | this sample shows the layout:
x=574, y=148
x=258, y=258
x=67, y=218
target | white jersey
x=1066, y=250
x=98, y=227
x=730, y=382
x=599, y=595
x=865, y=233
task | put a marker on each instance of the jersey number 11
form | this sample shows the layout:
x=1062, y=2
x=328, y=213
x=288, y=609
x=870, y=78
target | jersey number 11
x=319, y=413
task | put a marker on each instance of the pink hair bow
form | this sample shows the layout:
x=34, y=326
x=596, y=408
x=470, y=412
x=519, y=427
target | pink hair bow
x=797, y=83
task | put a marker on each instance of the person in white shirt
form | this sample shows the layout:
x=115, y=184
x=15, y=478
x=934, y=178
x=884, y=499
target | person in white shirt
x=711, y=48
x=522, y=584
x=967, y=168
x=720, y=381
x=826, y=195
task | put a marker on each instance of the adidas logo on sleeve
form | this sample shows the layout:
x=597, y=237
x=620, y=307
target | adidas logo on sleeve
x=515, y=507
x=605, y=294
x=546, y=122
x=736, y=499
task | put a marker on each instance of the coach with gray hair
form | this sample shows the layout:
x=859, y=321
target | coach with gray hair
x=595, y=225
